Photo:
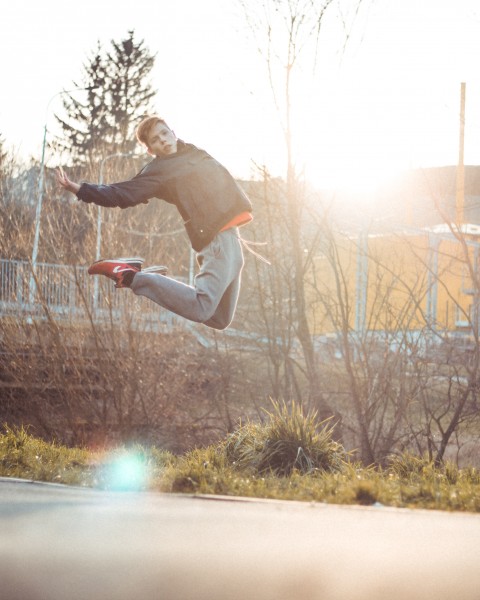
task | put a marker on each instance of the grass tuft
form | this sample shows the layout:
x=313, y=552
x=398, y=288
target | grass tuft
x=288, y=441
x=27, y=457
x=408, y=465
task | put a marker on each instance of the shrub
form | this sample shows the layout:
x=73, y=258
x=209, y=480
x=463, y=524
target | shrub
x=288, y=441
x=406, y=465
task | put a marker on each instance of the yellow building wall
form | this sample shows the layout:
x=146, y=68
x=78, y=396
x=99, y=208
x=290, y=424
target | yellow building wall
x=330, y=288
x=400, y=292
x=454, y=294
x=397, y=282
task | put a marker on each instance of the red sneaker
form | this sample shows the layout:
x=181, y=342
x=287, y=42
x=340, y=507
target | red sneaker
x=119, y=271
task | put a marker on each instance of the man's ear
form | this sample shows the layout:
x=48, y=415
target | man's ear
x=149, y=151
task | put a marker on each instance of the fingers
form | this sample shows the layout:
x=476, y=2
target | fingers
x=62, y=179
x=65, y=182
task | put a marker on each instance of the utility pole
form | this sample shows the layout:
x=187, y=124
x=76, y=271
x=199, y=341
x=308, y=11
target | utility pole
x=460, y=187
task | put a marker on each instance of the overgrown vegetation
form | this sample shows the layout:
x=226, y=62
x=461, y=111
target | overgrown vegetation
x=288, y=441
x=88, y=375
x=93, y=385
x=380, y=333
x=254, y=461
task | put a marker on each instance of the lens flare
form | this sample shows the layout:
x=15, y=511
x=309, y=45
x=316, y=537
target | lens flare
x=127, y=472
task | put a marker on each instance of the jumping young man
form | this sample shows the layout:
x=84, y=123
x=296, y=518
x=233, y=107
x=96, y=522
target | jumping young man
x=212, y=206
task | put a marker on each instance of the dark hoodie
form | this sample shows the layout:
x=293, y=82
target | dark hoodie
x=202, y=189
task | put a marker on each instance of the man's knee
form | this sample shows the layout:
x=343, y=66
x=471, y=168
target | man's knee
x=218, y=324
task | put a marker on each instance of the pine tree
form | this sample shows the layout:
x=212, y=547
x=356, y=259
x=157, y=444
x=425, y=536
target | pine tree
x=128, y=65
x=118, y=96
x=85, y=130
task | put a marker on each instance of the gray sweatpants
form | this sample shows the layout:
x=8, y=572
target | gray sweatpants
x=213, y=298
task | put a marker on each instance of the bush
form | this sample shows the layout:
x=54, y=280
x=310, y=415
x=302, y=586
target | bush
x=288, y=440
x=99, y=386
x=407, y=465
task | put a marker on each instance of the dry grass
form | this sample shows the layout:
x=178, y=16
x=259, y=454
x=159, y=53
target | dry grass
x=408, y=481
x=288, y=441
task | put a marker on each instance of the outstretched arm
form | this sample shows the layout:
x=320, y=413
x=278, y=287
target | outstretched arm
x=135, y=191
x=65, y=182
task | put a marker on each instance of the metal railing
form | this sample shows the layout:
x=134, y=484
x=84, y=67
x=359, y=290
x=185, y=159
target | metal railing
x=68, y=292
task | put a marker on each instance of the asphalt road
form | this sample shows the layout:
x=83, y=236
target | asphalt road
x=65, y=543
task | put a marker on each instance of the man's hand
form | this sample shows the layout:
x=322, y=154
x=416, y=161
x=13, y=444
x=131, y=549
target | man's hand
x=65, y=182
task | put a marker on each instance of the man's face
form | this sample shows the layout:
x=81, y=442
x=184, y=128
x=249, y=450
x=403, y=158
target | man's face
x=161, y=140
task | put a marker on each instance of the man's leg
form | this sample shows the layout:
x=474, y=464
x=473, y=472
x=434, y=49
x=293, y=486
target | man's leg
x=216, y=285
x=225, y=312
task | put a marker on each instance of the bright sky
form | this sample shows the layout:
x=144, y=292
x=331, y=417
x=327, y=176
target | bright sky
x=388, y=102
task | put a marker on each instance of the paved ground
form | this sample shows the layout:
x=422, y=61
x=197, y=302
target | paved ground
x=64, y=543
